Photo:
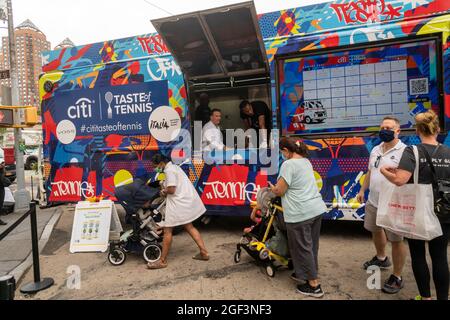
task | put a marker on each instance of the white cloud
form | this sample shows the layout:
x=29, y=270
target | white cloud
x=88, y=21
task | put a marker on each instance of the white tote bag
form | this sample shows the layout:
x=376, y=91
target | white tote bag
x=9, y=199
x=409, y=210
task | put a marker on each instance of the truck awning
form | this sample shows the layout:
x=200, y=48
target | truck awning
x=214, y=43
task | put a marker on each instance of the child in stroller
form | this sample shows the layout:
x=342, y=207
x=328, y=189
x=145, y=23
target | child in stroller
x=144, y=210
x=266, y=242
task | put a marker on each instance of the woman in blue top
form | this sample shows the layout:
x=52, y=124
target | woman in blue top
x=303, y=210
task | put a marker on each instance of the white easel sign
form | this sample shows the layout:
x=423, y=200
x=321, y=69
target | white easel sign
x=91, y=226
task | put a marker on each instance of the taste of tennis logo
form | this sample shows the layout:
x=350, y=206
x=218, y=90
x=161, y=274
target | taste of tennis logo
x=164, y=124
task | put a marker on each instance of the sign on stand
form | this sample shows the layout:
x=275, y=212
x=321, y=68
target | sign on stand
x=91, y=226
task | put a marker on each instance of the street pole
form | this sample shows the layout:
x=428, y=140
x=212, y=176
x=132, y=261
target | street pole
x=22, y=196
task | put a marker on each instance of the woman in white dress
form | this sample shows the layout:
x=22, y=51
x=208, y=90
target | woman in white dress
x=183, y=206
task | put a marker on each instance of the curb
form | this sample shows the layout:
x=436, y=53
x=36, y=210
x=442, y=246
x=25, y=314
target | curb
x=21, y=269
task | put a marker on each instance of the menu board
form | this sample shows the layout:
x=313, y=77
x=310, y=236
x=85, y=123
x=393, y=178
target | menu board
x=354, y=90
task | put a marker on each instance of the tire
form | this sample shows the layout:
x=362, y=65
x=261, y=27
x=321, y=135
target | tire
x=31, y=163
x=237, y=257
x=270, y=270
x=152, y=253
x=308, y=120
x=117, y=257
x=264, y=254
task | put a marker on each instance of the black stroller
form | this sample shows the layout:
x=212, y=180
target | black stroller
x=144, y=210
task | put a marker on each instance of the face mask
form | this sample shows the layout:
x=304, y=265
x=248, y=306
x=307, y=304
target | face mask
x=387, y=135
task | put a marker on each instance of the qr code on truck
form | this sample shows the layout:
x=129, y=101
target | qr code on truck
x=418, y=86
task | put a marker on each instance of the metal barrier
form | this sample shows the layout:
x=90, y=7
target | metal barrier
x=6, y=283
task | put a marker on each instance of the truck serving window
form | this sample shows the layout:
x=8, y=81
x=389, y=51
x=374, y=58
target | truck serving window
x=353, y=89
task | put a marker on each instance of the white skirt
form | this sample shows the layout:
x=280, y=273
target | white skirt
x=180, y=213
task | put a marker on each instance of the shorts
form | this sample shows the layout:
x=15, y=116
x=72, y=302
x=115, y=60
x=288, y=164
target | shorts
x=370, y=223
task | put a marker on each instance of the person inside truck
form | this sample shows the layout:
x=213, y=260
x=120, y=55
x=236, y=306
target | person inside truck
x=256, y=115
x=212, y=138
x=203, y=111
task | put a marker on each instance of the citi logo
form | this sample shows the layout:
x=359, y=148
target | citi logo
x=82, y=109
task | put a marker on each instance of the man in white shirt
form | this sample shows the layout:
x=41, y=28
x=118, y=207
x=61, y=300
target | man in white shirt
x=212, y=138
x=388, y=153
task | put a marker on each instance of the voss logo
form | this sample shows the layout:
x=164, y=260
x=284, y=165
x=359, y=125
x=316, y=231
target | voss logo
x=66, y=132
x=82, y=109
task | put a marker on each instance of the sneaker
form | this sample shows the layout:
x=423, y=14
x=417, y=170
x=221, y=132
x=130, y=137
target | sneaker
x=2, y=223
x=392, y=285
x=309, y=291
x=382, y=264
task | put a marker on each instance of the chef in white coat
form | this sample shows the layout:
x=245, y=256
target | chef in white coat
x=212, y=138
x=183, y=206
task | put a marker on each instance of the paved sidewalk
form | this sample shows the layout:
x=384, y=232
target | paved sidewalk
x=344, y=246
x=15, y=249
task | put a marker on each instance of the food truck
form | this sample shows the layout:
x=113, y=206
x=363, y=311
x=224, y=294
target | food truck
x=108, y=107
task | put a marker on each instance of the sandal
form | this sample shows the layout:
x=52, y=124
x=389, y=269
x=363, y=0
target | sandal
x=201, y=257
x=157, y=265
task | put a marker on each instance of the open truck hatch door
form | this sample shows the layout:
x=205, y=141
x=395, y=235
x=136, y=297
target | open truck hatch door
x=216, y=43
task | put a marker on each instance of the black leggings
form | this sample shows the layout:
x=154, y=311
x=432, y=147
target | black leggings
x=438, y=253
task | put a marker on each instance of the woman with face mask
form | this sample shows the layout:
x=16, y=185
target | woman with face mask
x=183, y=206
x=303, y=210
x=428, y=129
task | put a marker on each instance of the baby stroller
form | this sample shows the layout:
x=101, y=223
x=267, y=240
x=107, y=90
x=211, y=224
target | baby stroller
x=145, y=237
x=267, y=241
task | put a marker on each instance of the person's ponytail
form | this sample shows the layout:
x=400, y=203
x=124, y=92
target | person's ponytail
x=302, y=149
x=294, y=146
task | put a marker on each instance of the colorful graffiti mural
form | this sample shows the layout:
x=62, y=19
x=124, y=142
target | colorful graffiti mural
x=341, y=163
x=94, y=163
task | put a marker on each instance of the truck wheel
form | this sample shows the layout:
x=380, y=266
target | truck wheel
x=31, y=164
x=308, y=120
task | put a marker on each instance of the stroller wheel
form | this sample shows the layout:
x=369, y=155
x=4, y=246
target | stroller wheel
x=117, y=257
x=264, y=254
x=152, y=253
x=270, y=270
x=237, y=257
